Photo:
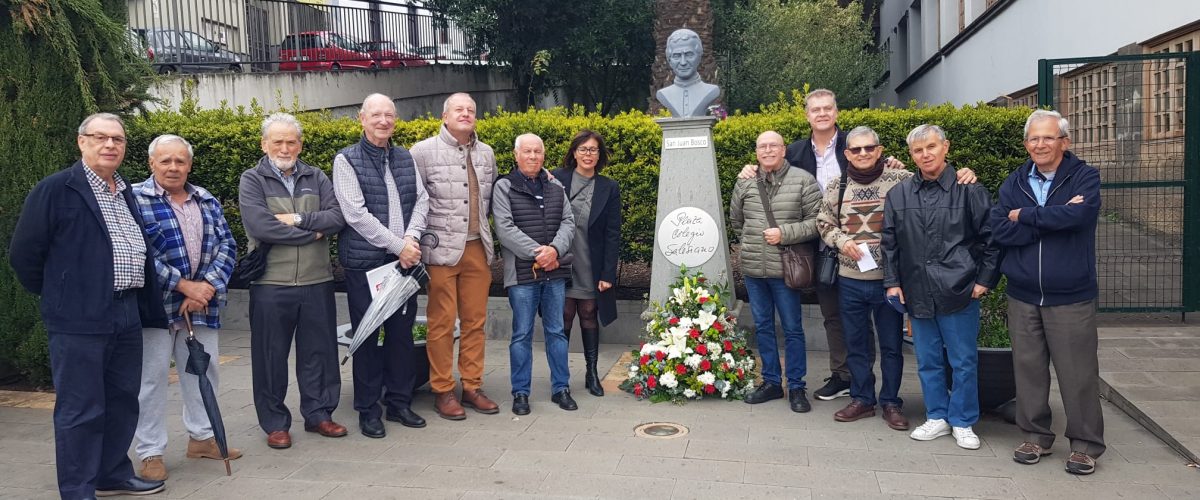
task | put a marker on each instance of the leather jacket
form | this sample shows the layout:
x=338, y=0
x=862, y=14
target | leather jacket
x=937, y=243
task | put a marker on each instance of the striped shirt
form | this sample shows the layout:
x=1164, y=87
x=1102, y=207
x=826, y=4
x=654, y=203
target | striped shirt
x=128, y=245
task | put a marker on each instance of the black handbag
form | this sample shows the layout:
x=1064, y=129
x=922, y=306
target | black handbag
x=797, y=259
x=250, y=267
x=827, y=258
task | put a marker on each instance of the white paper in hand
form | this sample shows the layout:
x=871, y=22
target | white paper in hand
x=867, y=262
x=380, y=275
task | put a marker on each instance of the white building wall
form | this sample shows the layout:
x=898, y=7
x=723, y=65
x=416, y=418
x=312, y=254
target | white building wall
x=1002, y=56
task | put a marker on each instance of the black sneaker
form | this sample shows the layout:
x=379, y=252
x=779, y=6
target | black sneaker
x=834, y=388
x=764, y=393
x=798, y=401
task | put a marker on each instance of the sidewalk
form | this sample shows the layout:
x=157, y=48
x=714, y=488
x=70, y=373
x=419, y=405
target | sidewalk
x=731, y=450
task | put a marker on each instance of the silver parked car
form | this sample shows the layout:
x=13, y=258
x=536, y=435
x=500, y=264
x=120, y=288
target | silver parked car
x=179, y=51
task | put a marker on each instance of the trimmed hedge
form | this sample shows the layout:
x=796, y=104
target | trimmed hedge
x=983, y=138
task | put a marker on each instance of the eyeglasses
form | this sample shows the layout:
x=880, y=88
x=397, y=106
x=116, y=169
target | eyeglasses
x=588, y=151
x=769, y=147
x=117, y=140
x=1034, y=141
x=860, y=149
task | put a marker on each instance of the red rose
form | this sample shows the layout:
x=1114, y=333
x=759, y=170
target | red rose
x=705, y=365
x=741, y=351
x=702, y=349
x=651, y=382
x=728, y=345
x=709, y=389
x=673, y=320
x=703, y=299
x=694, y=333
x=681, y=368
x=637, y=390
x=644, y=359
x=717, y=326
x=659, y=355
x=741, y=374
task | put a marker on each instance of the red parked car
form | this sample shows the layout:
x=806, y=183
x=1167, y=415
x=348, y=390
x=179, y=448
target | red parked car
x=390, y=56
x=322, y=51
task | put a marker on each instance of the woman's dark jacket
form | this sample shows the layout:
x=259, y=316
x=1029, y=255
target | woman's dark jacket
x=604, y=236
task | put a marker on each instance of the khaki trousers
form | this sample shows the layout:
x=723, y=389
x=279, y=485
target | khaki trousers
x=1066, y=336
x=458, y=292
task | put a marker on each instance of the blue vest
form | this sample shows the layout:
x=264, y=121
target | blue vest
x=368, y=161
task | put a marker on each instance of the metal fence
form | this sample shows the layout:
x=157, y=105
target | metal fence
x=1131, y=117
x=283, y=35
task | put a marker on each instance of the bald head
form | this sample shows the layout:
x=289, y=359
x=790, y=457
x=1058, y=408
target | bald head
x=769, y=150
x=378, y=119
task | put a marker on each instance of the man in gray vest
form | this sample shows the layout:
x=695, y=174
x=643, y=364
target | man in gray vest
x=385, y=204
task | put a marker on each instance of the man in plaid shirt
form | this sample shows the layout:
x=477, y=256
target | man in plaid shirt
x=194, y=256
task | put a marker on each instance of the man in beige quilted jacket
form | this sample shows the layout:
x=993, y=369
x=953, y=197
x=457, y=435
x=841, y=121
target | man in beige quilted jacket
x=458, y=171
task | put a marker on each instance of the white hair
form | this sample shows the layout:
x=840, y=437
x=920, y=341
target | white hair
x=1064, y=127
x=517, y=141
x=362, y=109
x=100, y=116
x=446, y=103
x=923, y=132
x=862, y=130
x=284, y=118
x=167, y=138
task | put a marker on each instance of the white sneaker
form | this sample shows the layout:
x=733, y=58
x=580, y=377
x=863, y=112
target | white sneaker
x=966, y=438
x=930, y=430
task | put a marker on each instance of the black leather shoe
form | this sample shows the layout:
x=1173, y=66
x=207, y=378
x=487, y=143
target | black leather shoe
x=371, y=427
x=521, y=404
x=407, y=418
x=135, y=486
x=764, y=393
x=798, y=401
x=564, y=401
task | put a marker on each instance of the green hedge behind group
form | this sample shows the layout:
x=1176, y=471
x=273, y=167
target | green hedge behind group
x=985, y=139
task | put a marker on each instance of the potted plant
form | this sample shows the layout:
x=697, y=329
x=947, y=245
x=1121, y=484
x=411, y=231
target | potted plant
x=997, y=384
x=420, y=333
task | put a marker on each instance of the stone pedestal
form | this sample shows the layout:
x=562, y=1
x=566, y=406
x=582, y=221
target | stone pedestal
x=690, y=219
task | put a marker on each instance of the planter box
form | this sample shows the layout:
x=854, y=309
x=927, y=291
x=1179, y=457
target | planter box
x=997, y=384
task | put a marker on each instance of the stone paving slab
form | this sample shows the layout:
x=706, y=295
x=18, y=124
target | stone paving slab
x=731, y=450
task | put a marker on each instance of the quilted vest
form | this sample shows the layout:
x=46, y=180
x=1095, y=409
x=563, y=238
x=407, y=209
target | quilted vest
x=538, y=219
x=368, y=161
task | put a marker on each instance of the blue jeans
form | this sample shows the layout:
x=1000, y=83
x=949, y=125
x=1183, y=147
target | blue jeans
x=954, y=333
x=768, y=295
x=526, y=301
x=861, y=300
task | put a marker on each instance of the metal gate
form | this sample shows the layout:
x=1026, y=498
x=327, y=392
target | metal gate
x=1131, y=117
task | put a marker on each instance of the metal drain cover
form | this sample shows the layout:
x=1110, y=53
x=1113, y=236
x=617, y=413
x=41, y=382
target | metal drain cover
x=660, y=430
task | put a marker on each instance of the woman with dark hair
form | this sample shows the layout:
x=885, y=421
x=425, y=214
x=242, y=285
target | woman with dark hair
x=596, y=202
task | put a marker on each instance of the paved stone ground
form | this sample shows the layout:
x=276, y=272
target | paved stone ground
x=732, y=450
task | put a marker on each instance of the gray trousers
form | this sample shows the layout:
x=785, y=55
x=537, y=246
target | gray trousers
x=159, y=348
x=831, y=312
x=1066, y=336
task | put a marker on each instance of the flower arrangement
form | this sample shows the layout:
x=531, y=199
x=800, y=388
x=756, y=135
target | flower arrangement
x=692, y=349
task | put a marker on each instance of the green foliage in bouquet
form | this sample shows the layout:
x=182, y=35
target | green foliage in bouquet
x=693, y=348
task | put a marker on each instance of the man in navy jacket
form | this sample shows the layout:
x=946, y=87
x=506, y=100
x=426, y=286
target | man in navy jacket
x=1046, y=223
x=79, y=244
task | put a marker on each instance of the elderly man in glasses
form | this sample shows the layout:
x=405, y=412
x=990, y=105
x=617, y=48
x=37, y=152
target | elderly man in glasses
x=1046, y=222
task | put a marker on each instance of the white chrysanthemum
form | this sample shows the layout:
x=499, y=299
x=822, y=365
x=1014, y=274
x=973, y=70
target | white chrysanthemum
x=728, y=358
x=688, y=393
x=647, y=348
x=633, y=369
x=693, y=361
x=714, y=349
x=668, y=380
x=706, y=378
x=705, y=319
x=674, y=352
x=687, y=323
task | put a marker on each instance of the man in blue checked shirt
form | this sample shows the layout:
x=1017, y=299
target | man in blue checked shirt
x=194, y=256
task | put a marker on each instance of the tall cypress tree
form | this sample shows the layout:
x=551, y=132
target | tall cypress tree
x=63, y=60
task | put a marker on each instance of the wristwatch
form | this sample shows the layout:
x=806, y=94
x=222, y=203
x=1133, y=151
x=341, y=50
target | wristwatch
x=297, y=219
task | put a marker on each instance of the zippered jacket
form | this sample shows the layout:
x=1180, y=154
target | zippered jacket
x=1050, y=252
x=297, y=257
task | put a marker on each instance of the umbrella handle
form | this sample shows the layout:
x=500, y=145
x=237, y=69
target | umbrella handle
x=187, y=320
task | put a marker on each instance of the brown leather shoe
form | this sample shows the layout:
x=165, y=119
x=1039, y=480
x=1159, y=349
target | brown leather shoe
x=328, y=428
x=894, y=416
x=209, y=449
x=279, y=440
x=479, y=401
x=447, y=407
x=854, y=411
x=153, y=469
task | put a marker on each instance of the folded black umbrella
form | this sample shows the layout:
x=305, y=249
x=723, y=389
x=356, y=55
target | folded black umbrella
x=197, y=364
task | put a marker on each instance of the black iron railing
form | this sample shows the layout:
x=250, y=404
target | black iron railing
x=282, y=35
